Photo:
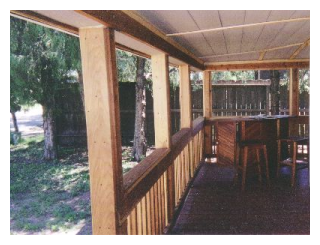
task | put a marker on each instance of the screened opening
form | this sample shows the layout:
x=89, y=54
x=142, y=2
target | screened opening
x=174, y=79
x=136, y=108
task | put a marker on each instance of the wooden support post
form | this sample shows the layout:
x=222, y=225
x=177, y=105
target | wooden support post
x=185, y=97
x=294, y=92
x=207, y=111
x=162, y=121
x=103, y=128
x=267, y=99
x=161, y=100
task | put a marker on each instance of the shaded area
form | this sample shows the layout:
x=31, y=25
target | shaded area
x=215, y=206
x=48, y=197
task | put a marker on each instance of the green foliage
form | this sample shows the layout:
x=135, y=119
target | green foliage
x=127, y=66
x=174, y=77
x=304, y=80
x=41, y=60
x=233, y=75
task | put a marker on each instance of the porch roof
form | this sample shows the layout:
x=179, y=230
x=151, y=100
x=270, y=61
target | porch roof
x=204, y=39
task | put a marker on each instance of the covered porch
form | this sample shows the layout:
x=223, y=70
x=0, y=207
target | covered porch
x=187, y=186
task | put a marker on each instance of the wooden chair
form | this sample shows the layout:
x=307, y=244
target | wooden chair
x=288, y=155
x=244, y=148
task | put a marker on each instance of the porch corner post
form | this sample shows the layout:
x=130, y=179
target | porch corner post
x=103, y=129
x=294, y=92
x=207, y=111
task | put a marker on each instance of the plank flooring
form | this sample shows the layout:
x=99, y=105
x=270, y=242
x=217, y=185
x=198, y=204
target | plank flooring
x=215, y=206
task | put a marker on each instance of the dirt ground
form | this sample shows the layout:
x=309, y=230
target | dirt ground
x=29, y=121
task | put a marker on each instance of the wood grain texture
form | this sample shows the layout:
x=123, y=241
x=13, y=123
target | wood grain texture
x=125, y=22
x=161, y=100
x=103, y=128
x=207, y=94
x=207, y=111
x=259, y=65
x=36, y=17
x=141, y=178
x=226, y=137
x=185, y=97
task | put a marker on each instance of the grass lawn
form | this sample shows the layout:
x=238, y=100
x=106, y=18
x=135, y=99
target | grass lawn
x=51, y=197
x=48, y=197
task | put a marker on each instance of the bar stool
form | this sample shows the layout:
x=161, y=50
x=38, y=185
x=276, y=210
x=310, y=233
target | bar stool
x=293, y=160
x=296, y=134
x=245, y=147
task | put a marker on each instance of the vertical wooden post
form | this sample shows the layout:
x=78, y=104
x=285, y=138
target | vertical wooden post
x=185, y=97
x=161, y=100
x=207, y=111
x=267, y=99
x=207, y=94
x=162, y=121
x=294, y=92
x=103, y=128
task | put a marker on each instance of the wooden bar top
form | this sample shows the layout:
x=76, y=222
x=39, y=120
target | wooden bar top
x=245, y=118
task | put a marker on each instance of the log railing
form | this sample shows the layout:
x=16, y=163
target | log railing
x=153, y=188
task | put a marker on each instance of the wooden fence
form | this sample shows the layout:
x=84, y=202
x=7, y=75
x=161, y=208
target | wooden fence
x=230, y=98
x=235, y=98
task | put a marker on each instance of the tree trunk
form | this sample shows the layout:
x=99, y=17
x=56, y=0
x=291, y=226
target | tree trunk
x=14, y=120
x=139, y=141
x=275, y=92
x=50, y=148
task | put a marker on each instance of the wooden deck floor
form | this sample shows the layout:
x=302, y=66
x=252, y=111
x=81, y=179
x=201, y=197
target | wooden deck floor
x=214, y=206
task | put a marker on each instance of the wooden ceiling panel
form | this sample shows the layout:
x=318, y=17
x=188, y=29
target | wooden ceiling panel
x=304, y=53
x=232, y=17
x=300, y=35
x=217, y=42
x=232, y=37
x=206, y=19
x=301, y=14
x=267, y=35
x=281, y=14
x=280, y=53
x=288, y=30
x=179, y=20
x=256, y=16
x=199, y=46
x=243, y=57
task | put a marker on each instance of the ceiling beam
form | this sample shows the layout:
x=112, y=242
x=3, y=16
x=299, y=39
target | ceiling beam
x=262, y=54
x=239, y=26
x=37, y=18
x=302, y=46
x=259, y=65
x=254, y=51
x=133, y=25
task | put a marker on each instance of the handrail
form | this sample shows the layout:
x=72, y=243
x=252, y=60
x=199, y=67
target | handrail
x=141, y=178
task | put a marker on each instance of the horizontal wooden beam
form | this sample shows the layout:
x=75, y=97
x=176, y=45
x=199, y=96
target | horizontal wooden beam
x=239, y=26
x=255, y=51
x=45, y=21
x=131, y=25
x=119, y=20
x=258, y=65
